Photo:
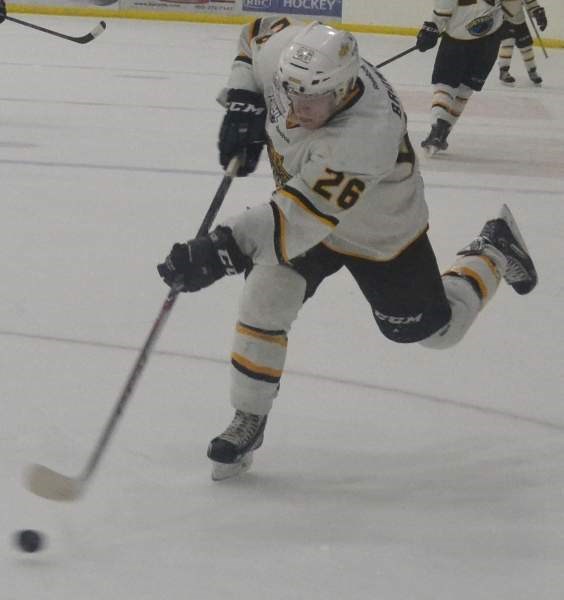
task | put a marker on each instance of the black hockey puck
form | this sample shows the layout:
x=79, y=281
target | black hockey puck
x=29, y=540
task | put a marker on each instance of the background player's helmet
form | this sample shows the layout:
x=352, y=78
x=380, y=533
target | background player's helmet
x=319, y=60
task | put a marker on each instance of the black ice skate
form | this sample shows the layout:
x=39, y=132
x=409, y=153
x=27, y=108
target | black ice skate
x=535, y=77
x=505, y=76
x=436, y=140
x=504, y=235
x=232, y=451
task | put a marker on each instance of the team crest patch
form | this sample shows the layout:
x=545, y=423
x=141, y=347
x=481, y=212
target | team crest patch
x=480, y=26
x=345, y=50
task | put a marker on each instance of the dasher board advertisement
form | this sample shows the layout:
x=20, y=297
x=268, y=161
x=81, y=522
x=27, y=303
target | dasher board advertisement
x=210, y=7
x=330, y=9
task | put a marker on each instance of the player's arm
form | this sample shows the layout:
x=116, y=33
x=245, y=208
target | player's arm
x=430, y=31
x=537, y=12
x=242, y=131
x=443, y=11
x=252, y=36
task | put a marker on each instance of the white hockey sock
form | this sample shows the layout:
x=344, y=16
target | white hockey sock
x=449, y=103
x=463, y=93
x=442, y=102
x=469, y=284
x=506, y=52
x=271, y=299
x=528, y=55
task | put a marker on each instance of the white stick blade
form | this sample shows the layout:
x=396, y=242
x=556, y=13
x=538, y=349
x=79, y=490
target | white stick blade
x=98, y=29
x=49, y=484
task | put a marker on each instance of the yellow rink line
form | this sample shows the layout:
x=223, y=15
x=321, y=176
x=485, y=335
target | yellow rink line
x=194, y=17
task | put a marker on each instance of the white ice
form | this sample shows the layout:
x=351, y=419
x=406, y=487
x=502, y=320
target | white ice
x=388, y=471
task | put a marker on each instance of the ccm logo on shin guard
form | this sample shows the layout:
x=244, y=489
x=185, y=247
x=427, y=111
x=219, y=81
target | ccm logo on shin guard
x=405, y=320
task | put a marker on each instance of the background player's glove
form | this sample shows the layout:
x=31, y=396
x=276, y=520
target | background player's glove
x=539, y=15
x=2, y=11
x=242, y=131
x=427, y=37
x=203, y=260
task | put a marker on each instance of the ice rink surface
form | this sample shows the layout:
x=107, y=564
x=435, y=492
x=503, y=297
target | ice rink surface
x=389, y=472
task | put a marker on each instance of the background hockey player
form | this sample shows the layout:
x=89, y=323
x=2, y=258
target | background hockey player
x=470, y=38
x=516, y=33
x=348, y=194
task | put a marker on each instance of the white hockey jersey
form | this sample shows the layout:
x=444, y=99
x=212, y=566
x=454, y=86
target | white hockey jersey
x=353, y=184
x=468, y=19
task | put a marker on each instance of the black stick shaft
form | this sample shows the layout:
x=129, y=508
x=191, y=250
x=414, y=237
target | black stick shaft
x=83, y=39
x=158, y=325
x=387, y=62
x=532, y=21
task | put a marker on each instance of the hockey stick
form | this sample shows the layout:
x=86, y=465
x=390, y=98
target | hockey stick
x=386, y=62
x=52, y=485
x=532, y=21
x=83, y=39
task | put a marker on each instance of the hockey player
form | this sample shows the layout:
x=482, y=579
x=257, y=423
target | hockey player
x=468, y=50
x=516, y=33
x=348, y=194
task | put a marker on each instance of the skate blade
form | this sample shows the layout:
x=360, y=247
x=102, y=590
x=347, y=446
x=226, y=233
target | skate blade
x=221, y=471
x=506, y=214
x=430, y=151
x=529, y=285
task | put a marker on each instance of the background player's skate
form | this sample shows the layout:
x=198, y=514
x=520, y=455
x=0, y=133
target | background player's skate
x=436, y=140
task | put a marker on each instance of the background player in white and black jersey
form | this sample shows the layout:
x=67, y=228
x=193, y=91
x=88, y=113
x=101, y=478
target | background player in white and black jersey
x=516, y=33
x=348, y=194
x=470, y=38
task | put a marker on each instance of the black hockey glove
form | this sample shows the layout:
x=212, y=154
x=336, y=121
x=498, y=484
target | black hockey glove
x=427, y=37
x=539, y=15
x=2, y=11
x=242, y=131
x=203, y=260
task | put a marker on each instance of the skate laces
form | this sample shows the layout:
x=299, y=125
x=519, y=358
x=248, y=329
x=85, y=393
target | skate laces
x=242, y=429
x=515, y=271
x=498, y=234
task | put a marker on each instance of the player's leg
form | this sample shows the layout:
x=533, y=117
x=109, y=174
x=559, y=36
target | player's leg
x=524, y=41
x=499, y=251
x=413, y=303
x=271, y=299
x=450, y=65
x=406, y=293
x=505, y=54
x=482, y=60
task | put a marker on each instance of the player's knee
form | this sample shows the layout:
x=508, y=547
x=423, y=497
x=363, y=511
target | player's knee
x=524, y=41
x=465, y=305
x=272, y=297
x=409, y=328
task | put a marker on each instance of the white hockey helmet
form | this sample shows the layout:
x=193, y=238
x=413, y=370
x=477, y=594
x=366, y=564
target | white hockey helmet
x=319, y=60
